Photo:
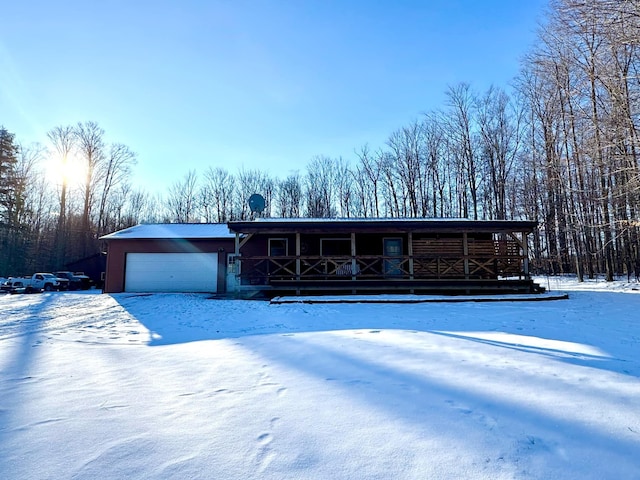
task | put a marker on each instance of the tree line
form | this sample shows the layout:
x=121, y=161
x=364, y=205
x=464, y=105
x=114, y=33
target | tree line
x=560, y=147
x=56, y=200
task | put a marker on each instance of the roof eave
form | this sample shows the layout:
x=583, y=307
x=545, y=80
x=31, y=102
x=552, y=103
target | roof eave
x=384, y=226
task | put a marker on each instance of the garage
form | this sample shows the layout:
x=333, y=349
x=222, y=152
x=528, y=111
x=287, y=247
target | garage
x=171, y=272
x=168, y=257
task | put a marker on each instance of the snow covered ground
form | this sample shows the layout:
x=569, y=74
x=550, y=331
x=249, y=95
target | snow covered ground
x=182, y=386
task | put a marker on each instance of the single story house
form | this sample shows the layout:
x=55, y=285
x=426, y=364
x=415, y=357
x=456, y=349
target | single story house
x=268, y=257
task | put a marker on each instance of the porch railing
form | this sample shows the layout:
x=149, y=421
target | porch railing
x=261, y=270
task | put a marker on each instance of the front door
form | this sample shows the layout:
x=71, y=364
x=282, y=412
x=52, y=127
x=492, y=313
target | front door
x=392, y=247
x=233, y=272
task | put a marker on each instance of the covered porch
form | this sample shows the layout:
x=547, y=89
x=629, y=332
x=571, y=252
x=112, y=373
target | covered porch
x=290, y=256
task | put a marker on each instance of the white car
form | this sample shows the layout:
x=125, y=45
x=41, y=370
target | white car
x=35, y=283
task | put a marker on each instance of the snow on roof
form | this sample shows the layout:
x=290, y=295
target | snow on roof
x=363, y=219
x=172, y=230
x=283, y=225
x=378, y=220
x=221, y=230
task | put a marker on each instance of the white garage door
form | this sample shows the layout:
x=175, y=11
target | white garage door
x=171, y=272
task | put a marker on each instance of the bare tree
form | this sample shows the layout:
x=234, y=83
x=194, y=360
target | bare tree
x=113, y=171
x=407, y=148
x=182, y=199
x=217, y=194
x=437, y=164
x=500, y=127
x=344, y=187
x=63, y=141
x=460, y=130
x=89, y=138
x=367, y=174
x=290, y=196
x=390, y=186
x=250, y=182
x=320, y=187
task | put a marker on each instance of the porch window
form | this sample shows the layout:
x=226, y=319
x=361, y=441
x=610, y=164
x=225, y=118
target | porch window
x=278, y=247
x=339, y=247
x=334, y=251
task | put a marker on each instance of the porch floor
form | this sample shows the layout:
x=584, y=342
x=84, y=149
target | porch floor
x=404, y=286
x=419, y=298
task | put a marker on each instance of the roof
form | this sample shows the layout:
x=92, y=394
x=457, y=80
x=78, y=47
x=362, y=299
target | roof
x=172, y=231
x=315, y=225
x=345, y=225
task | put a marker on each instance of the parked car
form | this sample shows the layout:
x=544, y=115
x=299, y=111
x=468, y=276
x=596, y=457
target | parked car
x=77, y=281
x=35, y=283
x=16, y=285
x=7, y=285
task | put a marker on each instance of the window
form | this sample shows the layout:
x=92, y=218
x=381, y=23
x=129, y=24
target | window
x=278, y=247
x=335, y=247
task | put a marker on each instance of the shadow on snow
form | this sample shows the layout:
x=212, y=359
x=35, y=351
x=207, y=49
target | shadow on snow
x=599, y=321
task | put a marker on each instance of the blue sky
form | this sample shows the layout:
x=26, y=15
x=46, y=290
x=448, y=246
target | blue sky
x=248, y=84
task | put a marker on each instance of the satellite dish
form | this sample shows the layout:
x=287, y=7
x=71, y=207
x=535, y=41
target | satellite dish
x=256, y=203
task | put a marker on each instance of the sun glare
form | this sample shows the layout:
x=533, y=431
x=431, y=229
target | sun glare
x=72, y=171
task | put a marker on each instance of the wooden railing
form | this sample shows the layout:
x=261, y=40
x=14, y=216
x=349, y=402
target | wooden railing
x=477, y=264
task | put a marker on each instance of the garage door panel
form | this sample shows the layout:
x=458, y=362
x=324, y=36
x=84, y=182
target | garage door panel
x=171, y=272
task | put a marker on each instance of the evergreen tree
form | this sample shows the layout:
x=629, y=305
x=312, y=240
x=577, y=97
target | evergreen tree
x=8, y=159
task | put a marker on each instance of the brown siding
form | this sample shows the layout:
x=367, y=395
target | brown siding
x=117, y=252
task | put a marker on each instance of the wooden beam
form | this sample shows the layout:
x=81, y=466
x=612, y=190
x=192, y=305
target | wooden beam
x=523, y=243
x=465, y=252
x=354, y=264
x=517, y=240
x=244, y=240
x=298, y=260
x=410, y=252
x=525, y=251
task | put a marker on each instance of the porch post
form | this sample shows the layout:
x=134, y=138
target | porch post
x=525, y=251
x=465, y=252
x=410, y=252
x=236, y=266
x=410, y=248
x=298, y=260
x=354, y=264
